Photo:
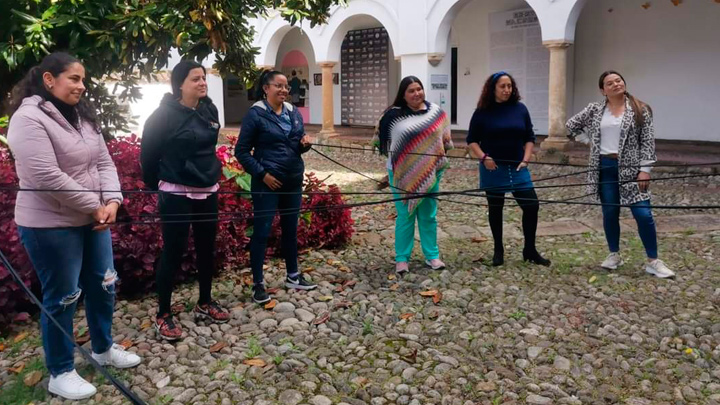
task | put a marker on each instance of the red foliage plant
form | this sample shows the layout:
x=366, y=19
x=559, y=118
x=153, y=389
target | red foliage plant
x=13, y=300
x=137, y=240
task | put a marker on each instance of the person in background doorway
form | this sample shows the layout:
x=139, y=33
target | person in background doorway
x=295, y=84
x=304, y=93
x=621, y=135
x=501, y=135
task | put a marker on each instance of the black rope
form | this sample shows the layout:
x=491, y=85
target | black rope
x=534, y=163
x=234, y=216
x=379, y=182
x=119, y=385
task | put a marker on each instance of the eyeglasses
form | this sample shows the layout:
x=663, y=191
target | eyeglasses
x=280, y=86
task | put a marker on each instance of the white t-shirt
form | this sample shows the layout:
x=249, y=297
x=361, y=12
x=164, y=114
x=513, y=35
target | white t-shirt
x=610, y=133
x=610, y=137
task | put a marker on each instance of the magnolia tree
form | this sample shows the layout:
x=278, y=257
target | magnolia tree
x=129, y=40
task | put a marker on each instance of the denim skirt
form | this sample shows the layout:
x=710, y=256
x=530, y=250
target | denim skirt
x=505, y=179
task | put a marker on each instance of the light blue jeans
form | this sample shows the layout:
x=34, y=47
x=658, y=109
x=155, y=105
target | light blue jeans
x=68, y=262
x=610, y=194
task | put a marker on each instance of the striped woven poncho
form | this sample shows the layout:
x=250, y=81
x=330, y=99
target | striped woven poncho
x=414, y=142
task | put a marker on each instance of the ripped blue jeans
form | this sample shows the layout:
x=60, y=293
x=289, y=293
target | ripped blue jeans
x=70, y=261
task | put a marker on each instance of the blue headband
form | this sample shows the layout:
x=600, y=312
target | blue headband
x=497, y=75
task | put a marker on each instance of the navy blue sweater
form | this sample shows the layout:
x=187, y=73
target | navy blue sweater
x=502, y=131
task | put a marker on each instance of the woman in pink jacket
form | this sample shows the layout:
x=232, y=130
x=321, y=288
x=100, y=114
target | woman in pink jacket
x=58, y=148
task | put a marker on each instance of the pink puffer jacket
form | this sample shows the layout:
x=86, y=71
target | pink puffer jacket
x=51, y=154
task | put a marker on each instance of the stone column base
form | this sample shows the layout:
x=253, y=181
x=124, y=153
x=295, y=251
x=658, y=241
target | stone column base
x=327, y=134
x=553, y=143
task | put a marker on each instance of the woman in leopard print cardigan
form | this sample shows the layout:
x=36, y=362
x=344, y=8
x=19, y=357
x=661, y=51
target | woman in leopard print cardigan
x=620, y=132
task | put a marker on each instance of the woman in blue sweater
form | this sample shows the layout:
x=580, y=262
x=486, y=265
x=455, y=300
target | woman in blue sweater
x=273, y=129
x=501, y=135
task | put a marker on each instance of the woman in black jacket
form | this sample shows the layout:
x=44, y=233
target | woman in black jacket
x=273, y=129
x=178, y=158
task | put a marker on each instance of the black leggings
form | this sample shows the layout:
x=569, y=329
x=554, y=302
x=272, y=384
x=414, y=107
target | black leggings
x=527, y=200
x=175, y=239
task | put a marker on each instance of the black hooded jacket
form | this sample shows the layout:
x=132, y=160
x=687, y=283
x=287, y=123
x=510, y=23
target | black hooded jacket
x=178, y=144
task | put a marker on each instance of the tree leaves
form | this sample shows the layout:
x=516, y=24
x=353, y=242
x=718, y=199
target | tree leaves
x=255, y=362
x=270, y=305
x=324, y=317
x=217, y=347
x=20, y=337
x=32, y=378
x=17, y=368
x=435, y=294
x=133, y=40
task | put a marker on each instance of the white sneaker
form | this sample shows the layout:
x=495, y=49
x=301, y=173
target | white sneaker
x=658, y=269
x=117, y=357
x=435, y=264
x=71, y=386
x=612, y=262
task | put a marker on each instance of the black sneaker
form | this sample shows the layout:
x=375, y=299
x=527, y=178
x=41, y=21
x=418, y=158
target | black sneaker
x=299, y=283
x=260, y=296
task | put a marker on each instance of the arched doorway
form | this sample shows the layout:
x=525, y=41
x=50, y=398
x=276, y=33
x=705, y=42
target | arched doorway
x=296, y=55
x=295, y=67
x=369, y=74
x=475, y=38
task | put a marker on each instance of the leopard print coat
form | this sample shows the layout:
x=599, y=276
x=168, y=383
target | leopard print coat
x=637, y=146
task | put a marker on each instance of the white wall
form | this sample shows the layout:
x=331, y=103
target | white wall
x=471, y=35
x=670, y=57
x=152, y=94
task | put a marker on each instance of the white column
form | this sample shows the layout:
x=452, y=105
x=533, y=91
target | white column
x=557, y=108
x=328, y=107
x=216, y=91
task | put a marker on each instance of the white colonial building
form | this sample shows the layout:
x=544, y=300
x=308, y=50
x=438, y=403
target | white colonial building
x=668, y=51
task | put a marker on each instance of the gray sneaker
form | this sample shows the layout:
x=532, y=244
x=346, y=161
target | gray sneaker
x=612, y=262
x=658, y=269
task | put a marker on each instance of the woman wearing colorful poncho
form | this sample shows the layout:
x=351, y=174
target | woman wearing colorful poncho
x=415, y=134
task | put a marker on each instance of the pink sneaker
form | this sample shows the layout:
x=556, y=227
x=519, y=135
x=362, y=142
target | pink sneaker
x=402, y=267
x=435, y=264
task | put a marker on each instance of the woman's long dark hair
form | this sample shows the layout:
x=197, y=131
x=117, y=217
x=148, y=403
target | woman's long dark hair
x=32, y=85
x=384, y=138
x=487, y=98
x=637, y=105
x=404, y=84
x=265, y=78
